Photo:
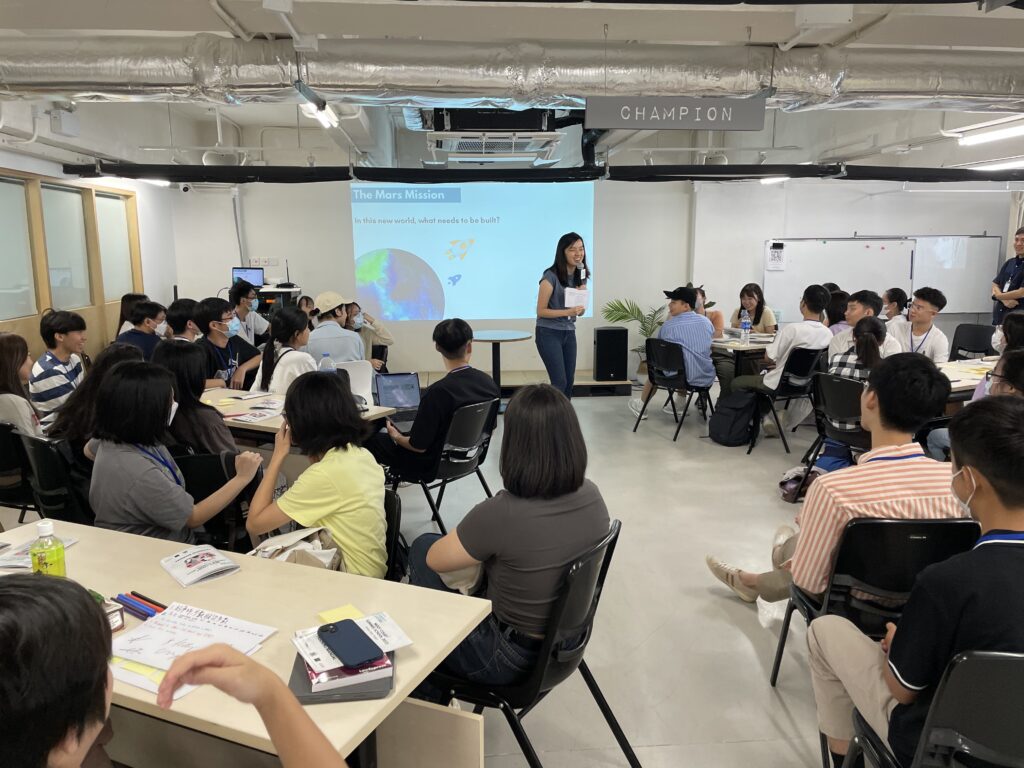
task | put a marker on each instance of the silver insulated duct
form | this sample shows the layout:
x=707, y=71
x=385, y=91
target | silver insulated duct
x=413, y=73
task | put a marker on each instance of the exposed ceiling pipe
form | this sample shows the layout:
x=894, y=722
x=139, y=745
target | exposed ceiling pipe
x=518, y=75
x=856, y=34
x=230, y=21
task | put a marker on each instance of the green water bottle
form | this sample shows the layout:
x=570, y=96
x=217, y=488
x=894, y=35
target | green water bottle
x=47, y=552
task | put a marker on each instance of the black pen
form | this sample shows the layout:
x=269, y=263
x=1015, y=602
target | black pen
x=150, y=600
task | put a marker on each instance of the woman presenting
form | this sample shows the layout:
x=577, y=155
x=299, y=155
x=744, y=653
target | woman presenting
x=556, y=325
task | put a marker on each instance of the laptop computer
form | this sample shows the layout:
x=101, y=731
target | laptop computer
x=400, y=391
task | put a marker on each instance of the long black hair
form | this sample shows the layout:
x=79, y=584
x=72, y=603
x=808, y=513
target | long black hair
x=753, y=290
x=898, y=297
x=187, y=362
x=284, y=326
x=322, y=414
x=128, y=302
x=868, y=337
x=142, y=390
x=561, y=264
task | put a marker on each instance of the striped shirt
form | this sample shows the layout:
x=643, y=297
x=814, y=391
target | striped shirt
x=693, y=333
x=52, y=383
x=895, y=482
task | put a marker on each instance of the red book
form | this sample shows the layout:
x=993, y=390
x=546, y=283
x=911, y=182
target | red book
x=342, y=676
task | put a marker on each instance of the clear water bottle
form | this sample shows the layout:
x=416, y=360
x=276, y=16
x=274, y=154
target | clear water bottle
x=47, y=552
x=327, y=364
x=745, y=327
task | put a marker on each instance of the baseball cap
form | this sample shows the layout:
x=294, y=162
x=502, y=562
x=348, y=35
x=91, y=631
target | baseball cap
x=682, y=293
x=328, y=300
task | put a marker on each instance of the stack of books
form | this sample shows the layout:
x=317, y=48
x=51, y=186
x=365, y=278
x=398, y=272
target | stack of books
x=319, y=677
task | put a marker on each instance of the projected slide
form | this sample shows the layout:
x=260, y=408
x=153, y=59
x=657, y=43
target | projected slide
x=475, y=251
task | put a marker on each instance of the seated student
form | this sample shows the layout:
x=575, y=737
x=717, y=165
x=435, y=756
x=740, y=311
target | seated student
x=525, y=537
x=892, y=480
x=15, y=368
x=762, y=318
x=76, y=422
x=229, y=357
x=149, y=324
x=917, y=332
x=973, y=601
x=419, y=452
x=835, y=312
x=330, y=337
x=809, y=334
x=1010, y=334
x=283, y=360
x=57, y=686
x=342, y=489
x=370, y=330
x=860, y=305
x=128, y=302
x=305, y=303
x=690, y=331
x=252, y=325
x=866, y=354
x=195, y=425
x=715, y=316
x=179, y=319
x=136, y=486
x=56, y=374
x=894, y=302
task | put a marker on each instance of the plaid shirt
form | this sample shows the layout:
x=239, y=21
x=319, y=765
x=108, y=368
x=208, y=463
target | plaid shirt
x=848, y=366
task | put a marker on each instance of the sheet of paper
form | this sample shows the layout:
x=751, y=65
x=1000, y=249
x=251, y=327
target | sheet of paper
x=379, y=627
x=576, y=297
x=254, y=416
x=309, y=645
x=184, y=628
x=142, y=676
x=383, y=630
x=19, y=558
x=340, y=614
x=242, y=396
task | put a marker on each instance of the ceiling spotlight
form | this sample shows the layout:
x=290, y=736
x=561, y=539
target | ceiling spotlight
x=984, y=138
x=774, y=179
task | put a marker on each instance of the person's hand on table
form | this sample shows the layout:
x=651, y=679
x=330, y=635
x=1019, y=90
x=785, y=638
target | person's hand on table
x=247, y=464
x=377, y=364
x=225, y=669
x=283, y=440
x=238, y=379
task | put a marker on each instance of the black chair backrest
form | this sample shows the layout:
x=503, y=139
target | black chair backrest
x=205, y=474
x=12, y=452
x=976, y=711
x=970, y=339
x=570, y=622
x=839, y=400
x=393, y=520
x=51, y=481
x=466, y=442
x=799, y=370
x=665, y=356
x=882, y=558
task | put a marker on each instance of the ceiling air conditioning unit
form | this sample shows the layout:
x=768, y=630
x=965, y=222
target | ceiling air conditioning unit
x=477, y=143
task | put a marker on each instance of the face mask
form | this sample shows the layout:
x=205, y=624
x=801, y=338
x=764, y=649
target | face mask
x=254, y=305
x=357, y=321
x=965, y=506
x=174, y=410
x=161, y=329
x=988, y=387
x=234, y=326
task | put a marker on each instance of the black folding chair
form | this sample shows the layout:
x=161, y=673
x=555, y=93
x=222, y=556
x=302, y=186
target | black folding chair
x=14, y=466
x=465, y=448
x=879, y=559
x=206, y=473
x=561, y=653
x=975, y=714
x=665, y=356
x=837, y=399
x=971, y=340
x=393, y=520
x=56, y=494
x=797, y=383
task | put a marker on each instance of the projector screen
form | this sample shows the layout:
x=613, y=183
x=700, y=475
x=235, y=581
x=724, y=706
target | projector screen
x=475, y=251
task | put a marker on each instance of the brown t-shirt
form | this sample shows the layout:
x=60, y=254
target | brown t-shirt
x=526, y=545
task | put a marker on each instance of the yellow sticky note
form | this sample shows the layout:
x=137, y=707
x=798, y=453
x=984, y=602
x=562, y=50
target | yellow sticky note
x=152, y=673
x=340, y=614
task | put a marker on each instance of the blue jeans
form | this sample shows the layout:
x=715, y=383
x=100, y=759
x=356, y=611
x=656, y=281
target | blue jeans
x=494, y=653
x=558, y=351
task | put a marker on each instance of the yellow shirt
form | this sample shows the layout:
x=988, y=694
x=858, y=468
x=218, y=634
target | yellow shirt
x=344, y=493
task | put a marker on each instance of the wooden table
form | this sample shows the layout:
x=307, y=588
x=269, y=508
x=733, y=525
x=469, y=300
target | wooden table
x=965, y=375
x=754, y=350
x=225, y=401
x=282, y=595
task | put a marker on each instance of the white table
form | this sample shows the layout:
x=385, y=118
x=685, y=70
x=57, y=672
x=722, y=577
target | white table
x=282, y=595
x=965, y=375
x=226, y=401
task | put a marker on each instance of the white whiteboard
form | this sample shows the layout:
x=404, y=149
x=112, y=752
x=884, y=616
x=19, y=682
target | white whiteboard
x=961, y=267
x=853, y=264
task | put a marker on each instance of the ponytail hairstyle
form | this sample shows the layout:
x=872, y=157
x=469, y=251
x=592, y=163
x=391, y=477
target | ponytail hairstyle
x=898, y=297
x=288, y=323
x=868, y=336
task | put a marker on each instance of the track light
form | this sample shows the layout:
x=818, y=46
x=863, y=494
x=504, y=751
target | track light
x=974, y=139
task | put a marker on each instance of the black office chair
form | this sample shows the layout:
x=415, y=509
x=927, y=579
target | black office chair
x=837, y=399
x=14, y=466
x=880, y=559
x=561, y=653
x=975, y=714
x=206, y=473
x=797, y=383
x=665, y=356
x=56, y=493
x=393, y=520
x=465, y=448
x=970, y=340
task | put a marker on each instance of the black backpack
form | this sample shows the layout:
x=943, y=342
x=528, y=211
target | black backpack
x=736, y=420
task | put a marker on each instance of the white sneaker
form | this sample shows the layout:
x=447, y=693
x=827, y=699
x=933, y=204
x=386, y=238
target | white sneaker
x=667, y=408
x=636, y=405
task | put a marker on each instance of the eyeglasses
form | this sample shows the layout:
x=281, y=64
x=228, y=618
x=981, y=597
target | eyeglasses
x=921, y=308
x=993, y=375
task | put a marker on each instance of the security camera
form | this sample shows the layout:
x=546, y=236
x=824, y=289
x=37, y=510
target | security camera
x=186, y=187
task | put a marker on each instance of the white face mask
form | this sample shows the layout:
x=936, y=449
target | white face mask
x=161, y=329
x=965, y=506
x=174, y=410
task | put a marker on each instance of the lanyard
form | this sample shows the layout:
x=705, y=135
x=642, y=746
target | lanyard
x=921, y=345
x=168, y=465
x=896, y=458
x=1006, y=538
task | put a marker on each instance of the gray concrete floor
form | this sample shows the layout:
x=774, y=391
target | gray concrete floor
x=683, y=663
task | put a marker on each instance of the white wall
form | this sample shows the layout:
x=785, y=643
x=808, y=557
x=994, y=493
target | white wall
x=205, y=241
x=735, y=219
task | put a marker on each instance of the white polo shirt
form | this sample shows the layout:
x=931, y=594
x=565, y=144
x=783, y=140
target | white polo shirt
x=842, y=343
x=253, y=325
x=934, y=345
x=809, y=334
